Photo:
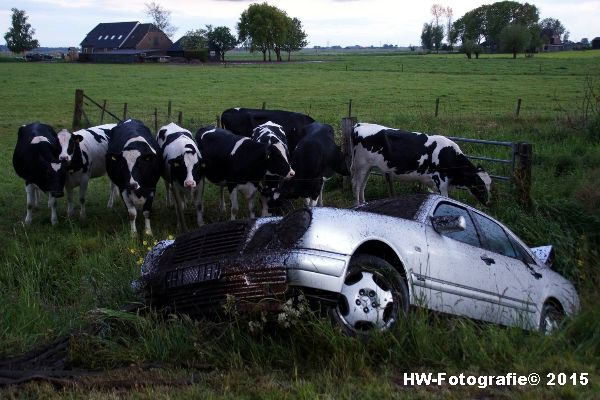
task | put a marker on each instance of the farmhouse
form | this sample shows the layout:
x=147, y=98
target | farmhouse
x=124, y=42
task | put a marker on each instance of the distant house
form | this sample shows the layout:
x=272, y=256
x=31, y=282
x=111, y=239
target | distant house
x=596, y=43
x=123, y=42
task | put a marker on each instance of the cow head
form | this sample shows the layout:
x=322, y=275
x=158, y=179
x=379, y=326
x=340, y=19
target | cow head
x=53, y=172
x=187, y=168
x=277, y=161
x=480, y=186
x=69, y=145
x=136, y=167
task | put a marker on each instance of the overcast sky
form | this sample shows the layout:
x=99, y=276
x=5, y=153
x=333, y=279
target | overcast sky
x=327, y=22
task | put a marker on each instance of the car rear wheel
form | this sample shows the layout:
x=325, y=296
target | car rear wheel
x=373, y=297
x=551, y=318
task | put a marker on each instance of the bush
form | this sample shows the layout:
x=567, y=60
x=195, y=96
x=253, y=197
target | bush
x=201, y=55
x=593, y=129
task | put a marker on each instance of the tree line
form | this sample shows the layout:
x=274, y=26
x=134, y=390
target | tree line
x=506, y=26
x=261, y=27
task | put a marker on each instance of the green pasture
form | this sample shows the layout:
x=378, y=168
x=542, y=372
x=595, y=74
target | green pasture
x=74, y=276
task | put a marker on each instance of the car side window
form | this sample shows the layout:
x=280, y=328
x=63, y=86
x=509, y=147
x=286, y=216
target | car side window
x=496, y=239
x=469, y=235
x=521, y=252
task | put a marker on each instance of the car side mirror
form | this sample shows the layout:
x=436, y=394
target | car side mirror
x=448, y=223
x=545, y=254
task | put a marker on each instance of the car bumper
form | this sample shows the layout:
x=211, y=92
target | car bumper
x=316, y=269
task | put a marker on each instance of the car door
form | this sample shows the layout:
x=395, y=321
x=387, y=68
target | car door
x=460, y=274
x=516, y=272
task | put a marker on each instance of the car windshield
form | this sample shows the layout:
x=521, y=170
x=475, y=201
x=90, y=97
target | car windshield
x=406, y=206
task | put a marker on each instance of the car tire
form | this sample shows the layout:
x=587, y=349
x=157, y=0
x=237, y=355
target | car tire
x=551, y=318
x=373, y=297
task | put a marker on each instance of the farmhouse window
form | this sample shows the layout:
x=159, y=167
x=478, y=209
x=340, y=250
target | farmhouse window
x=100, y=37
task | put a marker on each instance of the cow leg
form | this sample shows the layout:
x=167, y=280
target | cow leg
x=222, y=200
x=82, y=192
x=359, y=181
x=52, y=207
x=147, y=227
x=168, y=190
x=178, y=206
x=70, y=205
x=265, y=206
x=199, y=202
x=36, y=197
x=131, y=212
x=114, y=192
x=234, y=203
x=31, y=192
x=320, y=199
x=249, y=191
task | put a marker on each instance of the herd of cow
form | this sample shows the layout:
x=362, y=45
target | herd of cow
x=271, y=154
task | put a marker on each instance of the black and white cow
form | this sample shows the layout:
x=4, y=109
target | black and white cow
x=183, y=171
x=35, y=159
x=431, y=159
x=134, y=163
x=242, y=121
x=239, y=163
x=314, y=160
x=84, y=153
x=273, y=134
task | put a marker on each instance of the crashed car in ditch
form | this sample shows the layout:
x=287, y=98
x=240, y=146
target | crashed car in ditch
x=367, y=264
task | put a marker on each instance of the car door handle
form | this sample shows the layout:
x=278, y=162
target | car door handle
x=488, y=260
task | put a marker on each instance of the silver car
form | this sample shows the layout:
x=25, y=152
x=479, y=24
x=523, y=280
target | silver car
x=368, y=264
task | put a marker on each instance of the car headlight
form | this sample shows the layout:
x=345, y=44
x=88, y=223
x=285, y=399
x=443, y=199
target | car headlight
x=283, y=233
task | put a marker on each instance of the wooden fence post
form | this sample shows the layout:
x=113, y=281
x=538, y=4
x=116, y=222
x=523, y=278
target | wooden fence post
x=350, y=108
x=437, y=106
x=124, y=111
x=169, y=112
x=347, y=124
x=264, y=106
x=102, y=112
x=518, y=109
x=180, y=118
x=218, y=119
x=522, y=173
x=77, y=111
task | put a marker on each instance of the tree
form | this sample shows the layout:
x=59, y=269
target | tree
x=427, y=36
x=487, y=21
x=438, y=11
x=451, y=34
x=551, y=28
x=515, y=38
x=161, y=18
x=19, y=37
x=263, y=27
x=221, y=39
x=437, y=35
x=295, y=38
x=195, y=40
x=469, y=47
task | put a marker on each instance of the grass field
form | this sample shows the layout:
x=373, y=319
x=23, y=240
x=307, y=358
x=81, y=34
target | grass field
x=68, y=278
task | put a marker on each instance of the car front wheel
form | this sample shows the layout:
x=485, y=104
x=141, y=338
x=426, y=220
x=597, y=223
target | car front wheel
x=551, y=318
x=373, y=297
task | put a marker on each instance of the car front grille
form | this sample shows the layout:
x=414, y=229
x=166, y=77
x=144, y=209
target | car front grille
x=249, y=284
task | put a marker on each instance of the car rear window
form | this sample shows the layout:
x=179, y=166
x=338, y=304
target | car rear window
x=406, y=206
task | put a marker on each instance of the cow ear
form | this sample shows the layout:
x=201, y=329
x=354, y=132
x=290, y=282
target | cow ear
x=78, y=138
